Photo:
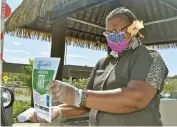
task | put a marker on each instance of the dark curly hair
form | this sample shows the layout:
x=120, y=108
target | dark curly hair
x=122, y=12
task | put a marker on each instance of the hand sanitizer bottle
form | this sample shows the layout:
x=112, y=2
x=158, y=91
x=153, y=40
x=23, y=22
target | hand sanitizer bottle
x=24, y=116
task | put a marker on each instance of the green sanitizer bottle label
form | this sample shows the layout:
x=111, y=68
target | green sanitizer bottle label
x=44, y=71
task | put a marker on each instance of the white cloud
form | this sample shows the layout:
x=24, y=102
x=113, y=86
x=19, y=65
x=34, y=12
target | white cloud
x=17, y=43
x=45, y=53
x=77, y=56
x=17, y=51
x=20, y=60
x=172, y=74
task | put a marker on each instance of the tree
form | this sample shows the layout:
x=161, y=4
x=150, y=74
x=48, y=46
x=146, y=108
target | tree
x=27, y=70
x=172, y=77
x=79, y=83
x=175, y=77
x=170, y=86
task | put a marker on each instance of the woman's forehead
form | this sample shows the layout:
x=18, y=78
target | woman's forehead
x=116, y=23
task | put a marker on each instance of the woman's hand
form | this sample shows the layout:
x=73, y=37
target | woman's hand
x=65, y=93
x=55, y=114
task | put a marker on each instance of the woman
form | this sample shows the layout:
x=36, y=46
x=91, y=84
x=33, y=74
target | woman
x=124, y=87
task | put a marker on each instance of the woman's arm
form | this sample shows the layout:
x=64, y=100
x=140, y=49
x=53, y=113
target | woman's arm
x=146, y=78
x=71, y=111
x=135, y=97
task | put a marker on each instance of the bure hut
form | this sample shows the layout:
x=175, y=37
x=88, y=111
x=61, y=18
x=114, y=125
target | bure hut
x=82, y=22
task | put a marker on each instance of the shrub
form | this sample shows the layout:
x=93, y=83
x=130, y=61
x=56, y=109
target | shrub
x=19, y=107
x=170, y=86
x=22, y=91
x=79, y=83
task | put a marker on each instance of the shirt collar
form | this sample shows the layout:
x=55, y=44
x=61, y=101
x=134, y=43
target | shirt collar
x=133, y=45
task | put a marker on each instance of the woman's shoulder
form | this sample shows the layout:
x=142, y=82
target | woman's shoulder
x=146, y=53
x=144, y=50
x=103, y=59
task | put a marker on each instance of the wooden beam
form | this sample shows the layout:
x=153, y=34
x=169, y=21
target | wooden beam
x=161, y=21
x=161, y=42
x=59, y=30
x=170, y=3
x=104, y=15
x=109, y=50
x=86, y=23
x=84, y=32
x=74, y=6
x=38, y=29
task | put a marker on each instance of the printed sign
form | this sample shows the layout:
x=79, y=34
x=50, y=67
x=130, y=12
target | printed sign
x=44, y=71
x=5, y=11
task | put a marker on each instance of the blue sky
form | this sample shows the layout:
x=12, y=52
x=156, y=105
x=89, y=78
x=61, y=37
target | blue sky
x=18, y=50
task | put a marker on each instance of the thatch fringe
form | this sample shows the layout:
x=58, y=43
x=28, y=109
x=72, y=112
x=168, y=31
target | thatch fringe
x=28, y=12
x=31, y=10
x=164, y=46
x=30, y=34
x=86, y=43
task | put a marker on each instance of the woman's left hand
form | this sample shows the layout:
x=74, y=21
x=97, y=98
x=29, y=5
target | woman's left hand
x=65, y=93
x=55, y=114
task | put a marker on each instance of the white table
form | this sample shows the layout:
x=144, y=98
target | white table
x=168, y=110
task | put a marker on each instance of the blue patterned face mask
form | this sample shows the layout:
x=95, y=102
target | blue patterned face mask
x=117, y=42
x=116, y=38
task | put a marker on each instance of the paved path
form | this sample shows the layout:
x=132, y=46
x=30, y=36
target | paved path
x=23, y=98
x=26, y=125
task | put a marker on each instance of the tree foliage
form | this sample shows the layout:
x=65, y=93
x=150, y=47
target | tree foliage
x=18, y=108
x=27, y=70
x=172, y=77
x=79, y=83
x=170, y=86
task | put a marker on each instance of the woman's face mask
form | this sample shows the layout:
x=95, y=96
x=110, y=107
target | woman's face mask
x=117, y=40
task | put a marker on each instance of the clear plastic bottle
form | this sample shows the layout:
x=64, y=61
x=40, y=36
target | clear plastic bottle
x=24, y=116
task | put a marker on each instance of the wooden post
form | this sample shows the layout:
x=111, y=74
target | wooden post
x=59, y=28
x=109, y=50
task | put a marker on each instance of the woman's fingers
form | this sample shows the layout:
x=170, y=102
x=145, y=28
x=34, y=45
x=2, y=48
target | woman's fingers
x=35, y=119
x=53, y=84
x=32, y=118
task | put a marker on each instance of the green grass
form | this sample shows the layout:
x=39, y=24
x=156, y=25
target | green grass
x=22, y=92
x=18, y=108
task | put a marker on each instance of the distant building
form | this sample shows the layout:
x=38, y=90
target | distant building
x=76, y=72
x=70, y=71
x=12, y=68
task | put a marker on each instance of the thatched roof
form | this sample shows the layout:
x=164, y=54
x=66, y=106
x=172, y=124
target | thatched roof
x=27, y=13
x=32, y=19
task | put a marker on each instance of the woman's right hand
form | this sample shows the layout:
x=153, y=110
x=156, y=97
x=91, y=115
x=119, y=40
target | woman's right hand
x=56, y=112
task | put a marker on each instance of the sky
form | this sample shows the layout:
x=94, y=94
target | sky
x=18, y=50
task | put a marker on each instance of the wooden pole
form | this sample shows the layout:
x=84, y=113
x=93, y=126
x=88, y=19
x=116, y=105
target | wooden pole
x=5, y=13
x=59, y=28
x=3, y=2
x=109, y=50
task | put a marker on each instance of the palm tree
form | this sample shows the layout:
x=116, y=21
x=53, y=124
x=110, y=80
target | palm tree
x=27, y=70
